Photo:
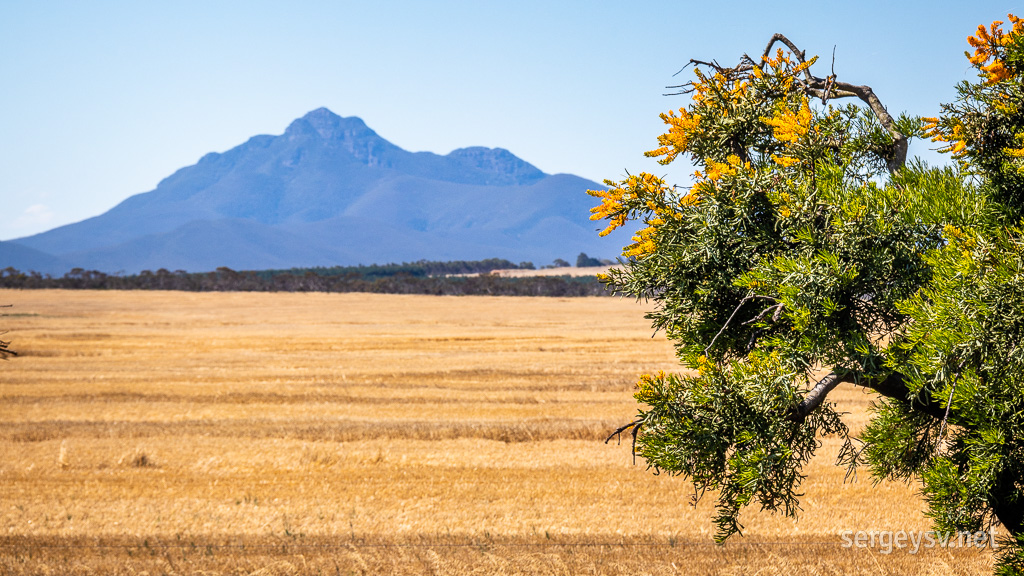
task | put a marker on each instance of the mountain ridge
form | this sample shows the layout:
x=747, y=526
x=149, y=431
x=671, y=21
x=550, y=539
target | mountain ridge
x=330, y=191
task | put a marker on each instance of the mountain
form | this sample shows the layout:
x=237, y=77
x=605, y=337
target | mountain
x=329, y=191
x=23, y=258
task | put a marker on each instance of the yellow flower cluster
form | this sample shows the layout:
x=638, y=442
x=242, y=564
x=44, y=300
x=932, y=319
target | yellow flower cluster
x=681, y=130
x=782, y=68
x=955, y=136
x=1016, y=153
x=716, y=170
x=989, y=45
x=703, y=365
x=707, y=87
x=692, y=198
x=643, y=241
x=761, y=362
x=610, y=208
x=992, y=58
x=616, y=199
x=791, y=126
x=785, y=161
x=780, y=60
x=959, y=236
x=930, y=124
x=647, y=386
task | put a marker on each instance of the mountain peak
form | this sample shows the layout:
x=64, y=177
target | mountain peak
x=322, y=111
x=508, y=167
x=322, y=118
x=330, y=126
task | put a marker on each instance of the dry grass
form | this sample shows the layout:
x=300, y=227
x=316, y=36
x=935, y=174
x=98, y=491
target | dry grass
x=309, y=433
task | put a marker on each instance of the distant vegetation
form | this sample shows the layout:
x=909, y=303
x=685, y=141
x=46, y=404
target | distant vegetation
x=584, y=261
x=420, y=268
x=421, y=277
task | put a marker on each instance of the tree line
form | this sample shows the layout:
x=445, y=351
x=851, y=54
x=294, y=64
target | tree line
x=422, y=277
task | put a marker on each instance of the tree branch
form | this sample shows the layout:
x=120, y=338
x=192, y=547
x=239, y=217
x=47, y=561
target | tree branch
x=949, y=403
x=634, y=428
x=816, y=396
x=892, y=386
x=800, y=54
x=745, y=299
x=4, y=350
x=822, y=88
x=775, y=317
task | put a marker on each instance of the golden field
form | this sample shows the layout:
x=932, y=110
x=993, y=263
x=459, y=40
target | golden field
x=250, y=433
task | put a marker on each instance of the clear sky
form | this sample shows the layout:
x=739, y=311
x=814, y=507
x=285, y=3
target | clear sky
x=101, y=100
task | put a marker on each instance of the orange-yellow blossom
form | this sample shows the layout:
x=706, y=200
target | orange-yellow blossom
x=785, y=161
x=791, y=126
x=643, y=242
x=611, y=207
x=730, y=167
x=691, y=198
x=617, y=201
x=805, y=65
x=988, y=45
x=955, y=137
x=780, y=58
x=703, y=365
x=646, y=386
x=681, y=130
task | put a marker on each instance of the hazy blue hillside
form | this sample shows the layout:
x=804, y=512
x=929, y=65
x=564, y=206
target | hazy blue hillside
x=13, y=255
x=330, y=191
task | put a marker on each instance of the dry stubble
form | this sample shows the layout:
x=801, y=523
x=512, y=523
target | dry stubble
x=316, y=433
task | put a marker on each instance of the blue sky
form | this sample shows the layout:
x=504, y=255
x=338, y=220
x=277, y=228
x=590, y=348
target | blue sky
x=101, y=100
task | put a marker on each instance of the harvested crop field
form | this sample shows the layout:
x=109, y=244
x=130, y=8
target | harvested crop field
x=244, y=433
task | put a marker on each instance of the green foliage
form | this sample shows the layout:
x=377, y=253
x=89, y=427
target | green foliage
x=728, y=431
x=806, y=247
x=899, y=442
x=583, y=261
x=1010, y=560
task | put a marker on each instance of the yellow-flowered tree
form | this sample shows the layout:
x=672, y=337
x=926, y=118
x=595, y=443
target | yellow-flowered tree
x=809, y=253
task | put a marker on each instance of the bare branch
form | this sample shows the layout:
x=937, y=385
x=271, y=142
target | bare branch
x=738, y=306
x=635, y=426
x=775, y=317
x=623, y=428
x=800, y=54
x=867, y=95
x=949, y=402
x=722, y=329
x=824, y=89
x=816, y=396
x=892, y=386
